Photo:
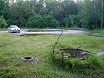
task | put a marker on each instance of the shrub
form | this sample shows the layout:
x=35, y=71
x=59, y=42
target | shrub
x=3, y=23
x=51, y=22
x=41, y=21
x=90, y=22
x=19, y=22
x=34, y=21
x=71, y=21
x=12, y=22
x=91, y=63
x=74, y=20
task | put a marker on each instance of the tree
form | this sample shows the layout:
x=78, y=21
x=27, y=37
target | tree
x=90, y=14
x=2, y=5
x=102, y=15
x=62, y=9
x=67, y=13
x=3, y=23
x=42, y=21
x=74, y=20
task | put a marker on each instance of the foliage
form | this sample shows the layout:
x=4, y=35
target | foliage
x=18, y=22
x=90, y=14
x=2, y=5
x=90, y=63
x=3, y=23
x=42, y=21
x=83, y=13
x=72, y=21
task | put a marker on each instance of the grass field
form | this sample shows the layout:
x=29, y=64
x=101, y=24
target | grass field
x=13, y=48
x=99, y=33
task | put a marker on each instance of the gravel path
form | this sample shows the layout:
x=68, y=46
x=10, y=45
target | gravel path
x=51, y=32
x=101, y=51
x=47, y=32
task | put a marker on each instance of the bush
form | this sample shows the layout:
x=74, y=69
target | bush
x=3, y=23
x=91, y=24
x=41, y=21
x=74, y=20
x=71, y=21
x=12, y=22
x=19, y=22
x=91, y=63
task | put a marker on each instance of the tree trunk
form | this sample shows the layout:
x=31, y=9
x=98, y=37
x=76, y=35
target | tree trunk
x=102, y=15
x=67, y=22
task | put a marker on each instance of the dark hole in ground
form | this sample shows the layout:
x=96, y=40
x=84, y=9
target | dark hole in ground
x=30, y=60
x=74, y=53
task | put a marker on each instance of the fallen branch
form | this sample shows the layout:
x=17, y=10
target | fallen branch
x=57, y=41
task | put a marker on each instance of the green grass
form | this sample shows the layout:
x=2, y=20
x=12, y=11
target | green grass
x=13, y=48
x=3, y=29
x=99, y=33
x=74, y=28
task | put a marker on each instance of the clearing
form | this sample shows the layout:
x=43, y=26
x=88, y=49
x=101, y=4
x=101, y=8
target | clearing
x=13, y=48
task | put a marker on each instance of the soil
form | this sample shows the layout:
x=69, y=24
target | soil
x=3, y=64
x=75, y=53
x=30, y=60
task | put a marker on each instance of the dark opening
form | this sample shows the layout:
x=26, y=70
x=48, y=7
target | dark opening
x=27, y=58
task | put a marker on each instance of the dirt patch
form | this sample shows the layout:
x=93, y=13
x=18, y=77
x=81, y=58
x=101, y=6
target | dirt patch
x=30, y=60
x=101, y=51
x=74, y=53
x=3, y=64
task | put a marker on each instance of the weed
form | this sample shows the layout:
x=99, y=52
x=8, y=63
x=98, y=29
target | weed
x=14, y=47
